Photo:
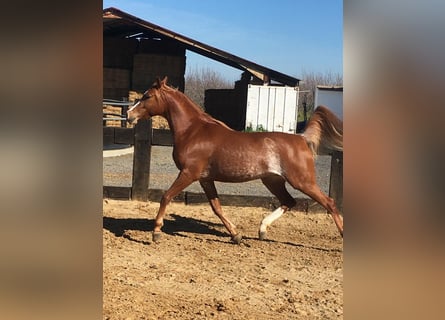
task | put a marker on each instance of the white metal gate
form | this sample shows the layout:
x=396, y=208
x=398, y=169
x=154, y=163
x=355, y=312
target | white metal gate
x=272, y=108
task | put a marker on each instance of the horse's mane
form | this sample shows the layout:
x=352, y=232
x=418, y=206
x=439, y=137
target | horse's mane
x=189, y=102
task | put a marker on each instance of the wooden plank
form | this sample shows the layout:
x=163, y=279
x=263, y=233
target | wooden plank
x=123, y=135
x=162, y=137
x=108, y=135
x=191, y=198
x=120, y=193
x=155, y=195
x=306, y=205
x=336, y=179
x=141, y=160
x=124, y=110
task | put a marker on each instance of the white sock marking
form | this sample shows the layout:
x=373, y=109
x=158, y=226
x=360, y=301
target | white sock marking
x=267, y=221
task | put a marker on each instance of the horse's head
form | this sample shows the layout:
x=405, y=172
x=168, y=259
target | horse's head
x=149, y=104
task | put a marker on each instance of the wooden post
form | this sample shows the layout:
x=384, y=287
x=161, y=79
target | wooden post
x=141, y=160
x=124, y=115
x=336, y=180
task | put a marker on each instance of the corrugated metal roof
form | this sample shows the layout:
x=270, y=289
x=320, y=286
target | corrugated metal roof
x=119, y=24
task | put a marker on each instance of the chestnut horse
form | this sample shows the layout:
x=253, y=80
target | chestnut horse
x=206, y=150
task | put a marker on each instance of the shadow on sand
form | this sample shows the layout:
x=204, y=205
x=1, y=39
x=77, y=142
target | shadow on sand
x=178, y=225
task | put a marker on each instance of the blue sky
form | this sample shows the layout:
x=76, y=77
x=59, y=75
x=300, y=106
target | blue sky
x=289, y=36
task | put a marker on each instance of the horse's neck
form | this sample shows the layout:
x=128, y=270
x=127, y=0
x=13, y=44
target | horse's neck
x=181, y=115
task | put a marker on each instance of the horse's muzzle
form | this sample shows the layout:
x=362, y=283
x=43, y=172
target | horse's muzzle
x=131, y=120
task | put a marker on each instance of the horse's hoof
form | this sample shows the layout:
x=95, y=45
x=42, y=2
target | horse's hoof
x=262, y=235
x=156, y=236
x=237, y=238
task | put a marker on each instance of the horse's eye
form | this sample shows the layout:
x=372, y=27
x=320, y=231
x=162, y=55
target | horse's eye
x=145, y=97
x=136, y=100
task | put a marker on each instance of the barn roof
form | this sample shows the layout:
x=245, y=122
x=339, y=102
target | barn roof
x=119, y=24
x=330, y=88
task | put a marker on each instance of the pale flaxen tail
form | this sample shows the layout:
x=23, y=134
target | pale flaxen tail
x=324, y=132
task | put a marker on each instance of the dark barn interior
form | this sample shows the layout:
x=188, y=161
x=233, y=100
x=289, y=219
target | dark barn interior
x=136, y=52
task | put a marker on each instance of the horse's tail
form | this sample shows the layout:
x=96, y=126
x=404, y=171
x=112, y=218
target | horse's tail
x=324, y=130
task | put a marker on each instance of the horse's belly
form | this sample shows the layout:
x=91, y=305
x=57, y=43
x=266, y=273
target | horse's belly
x=235, y=176
x=238, y=171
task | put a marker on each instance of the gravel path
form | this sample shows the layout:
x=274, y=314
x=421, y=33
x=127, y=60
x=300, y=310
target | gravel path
x=117, y=171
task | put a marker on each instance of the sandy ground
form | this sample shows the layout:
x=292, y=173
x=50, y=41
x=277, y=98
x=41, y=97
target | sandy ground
x=195, y=272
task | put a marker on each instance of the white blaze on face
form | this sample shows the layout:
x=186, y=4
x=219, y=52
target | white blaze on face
x=138, y=103
x=132, y=108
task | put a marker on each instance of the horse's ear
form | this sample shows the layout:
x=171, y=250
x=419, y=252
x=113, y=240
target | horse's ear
x=159, y=83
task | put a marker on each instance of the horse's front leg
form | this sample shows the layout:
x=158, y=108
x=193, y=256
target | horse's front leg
x=182, y=181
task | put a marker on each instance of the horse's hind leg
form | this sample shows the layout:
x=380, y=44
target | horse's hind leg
x=313, y=191
x=276, y=185
x=212, y=195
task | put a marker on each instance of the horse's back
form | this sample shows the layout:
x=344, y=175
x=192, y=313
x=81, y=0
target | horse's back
x=264, y=139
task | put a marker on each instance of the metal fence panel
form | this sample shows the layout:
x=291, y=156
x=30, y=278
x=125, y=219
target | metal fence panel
x=272, y=108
